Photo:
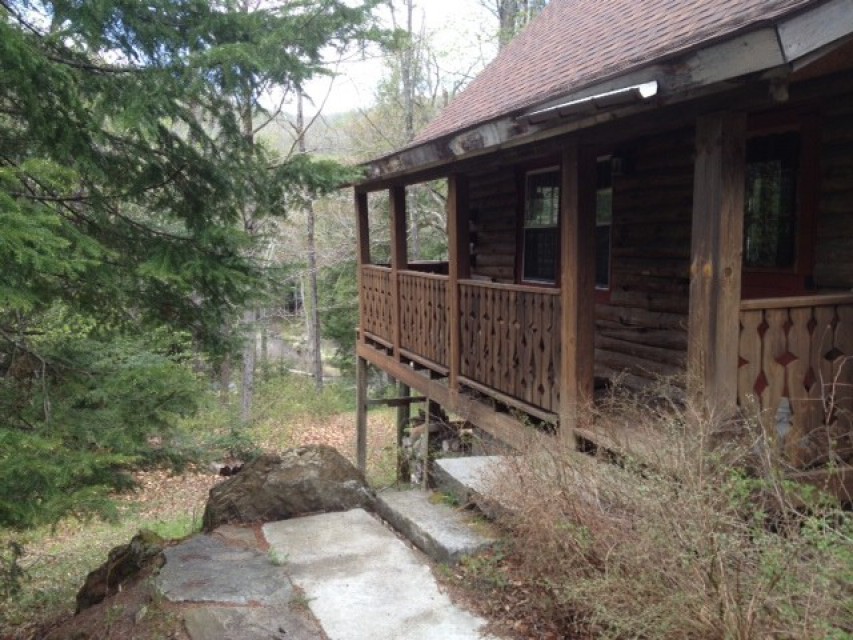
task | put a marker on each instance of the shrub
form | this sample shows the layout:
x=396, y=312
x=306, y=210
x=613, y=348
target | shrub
x=708, y=541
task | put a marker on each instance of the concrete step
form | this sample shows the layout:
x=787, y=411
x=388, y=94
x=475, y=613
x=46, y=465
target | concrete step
x=444, y=533
x=363, y=583
x=469, y=480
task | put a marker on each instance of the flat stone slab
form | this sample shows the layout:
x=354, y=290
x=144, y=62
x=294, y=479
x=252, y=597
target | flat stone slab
x=442, y=532
x=207, y=569
x=364, y=583
x=250, y=623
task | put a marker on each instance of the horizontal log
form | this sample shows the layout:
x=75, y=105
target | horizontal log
x=646, y=352
x=675, y=339
x=500, y=274
x=633, y=317
x=669, y=303
x=652, y=253
x=631, y=280
x=643, y=266
x=493, y=260
x=482, y=248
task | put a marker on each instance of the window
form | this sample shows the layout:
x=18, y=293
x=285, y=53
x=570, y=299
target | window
x=770, y=218
x=603, y=221
x=541, y=225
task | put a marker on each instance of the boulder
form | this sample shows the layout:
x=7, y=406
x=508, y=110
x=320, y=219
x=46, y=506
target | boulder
x=123, y=564
x=303, y=480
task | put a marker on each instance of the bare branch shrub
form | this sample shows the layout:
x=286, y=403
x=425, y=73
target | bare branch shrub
x=693, y=533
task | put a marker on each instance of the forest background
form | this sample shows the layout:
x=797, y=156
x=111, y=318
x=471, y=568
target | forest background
x=171, y=222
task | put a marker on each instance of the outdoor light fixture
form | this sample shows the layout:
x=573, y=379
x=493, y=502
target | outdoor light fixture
x=592, y=104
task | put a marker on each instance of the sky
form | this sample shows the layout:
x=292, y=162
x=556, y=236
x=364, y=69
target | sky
x=459, y=31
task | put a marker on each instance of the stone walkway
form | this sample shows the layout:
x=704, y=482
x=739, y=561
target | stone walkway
x=341, y=576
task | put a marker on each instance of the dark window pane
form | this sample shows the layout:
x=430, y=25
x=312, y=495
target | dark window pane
x=540, y=254
x=602, y=256
x=769, y=238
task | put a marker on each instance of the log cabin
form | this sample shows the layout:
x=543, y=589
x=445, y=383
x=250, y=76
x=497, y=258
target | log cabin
x=634, y=190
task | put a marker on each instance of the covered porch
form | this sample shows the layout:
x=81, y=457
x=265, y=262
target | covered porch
x=689, y=288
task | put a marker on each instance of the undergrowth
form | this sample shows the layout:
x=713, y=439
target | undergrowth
x=42, y=568
x=707, y=541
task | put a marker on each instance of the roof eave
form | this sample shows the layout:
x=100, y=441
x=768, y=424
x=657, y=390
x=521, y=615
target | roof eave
x=770, y=50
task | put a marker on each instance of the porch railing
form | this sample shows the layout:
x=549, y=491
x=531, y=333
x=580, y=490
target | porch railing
x=510, y=340
x=377, y=314
x=796, y=369
x=508, y=334
x=424, y=319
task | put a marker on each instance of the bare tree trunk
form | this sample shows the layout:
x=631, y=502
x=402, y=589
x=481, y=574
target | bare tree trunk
x=248, y=386
x=313, y=291
x=225, y=382
x=507, y=16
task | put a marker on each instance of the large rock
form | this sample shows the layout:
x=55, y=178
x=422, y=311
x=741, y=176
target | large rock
x=304, y=480
x=123, y=564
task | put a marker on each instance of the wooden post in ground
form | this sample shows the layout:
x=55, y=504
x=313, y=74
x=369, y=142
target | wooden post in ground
x=716, y=257
x=397, y=196
x=577, y=289
x=404, y=412
x=361, y=413
x=459, y=254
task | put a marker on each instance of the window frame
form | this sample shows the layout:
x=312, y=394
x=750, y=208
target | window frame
x=797, y=279
x=546, y=166
x=602, y=292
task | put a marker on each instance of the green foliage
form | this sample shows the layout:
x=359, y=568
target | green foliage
x=130, y=188
x=80, y=406
x=338, y=291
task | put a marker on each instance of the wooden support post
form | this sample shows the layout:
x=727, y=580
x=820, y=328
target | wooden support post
x=404, y=412
x=361, y=413
x=577, y=289
x=363, y=251
x=459, y=254
x=397, y=197
x=715, y=266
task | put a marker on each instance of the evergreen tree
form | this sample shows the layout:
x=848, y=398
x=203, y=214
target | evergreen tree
x=125, y=175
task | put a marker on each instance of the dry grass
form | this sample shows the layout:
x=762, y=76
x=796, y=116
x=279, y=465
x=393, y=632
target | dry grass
x=709, y=544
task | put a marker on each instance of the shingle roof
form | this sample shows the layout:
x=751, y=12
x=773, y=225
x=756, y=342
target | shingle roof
x=576, y=43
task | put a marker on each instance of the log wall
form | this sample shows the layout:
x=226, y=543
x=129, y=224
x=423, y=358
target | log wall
x=641, y=329
x=493, y=202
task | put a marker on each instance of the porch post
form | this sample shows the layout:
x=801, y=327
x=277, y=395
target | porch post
x=362, y=251
x=361, y=413
x=397, y=196
x=577, y=289
x=459, y=258
x=715, y=265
